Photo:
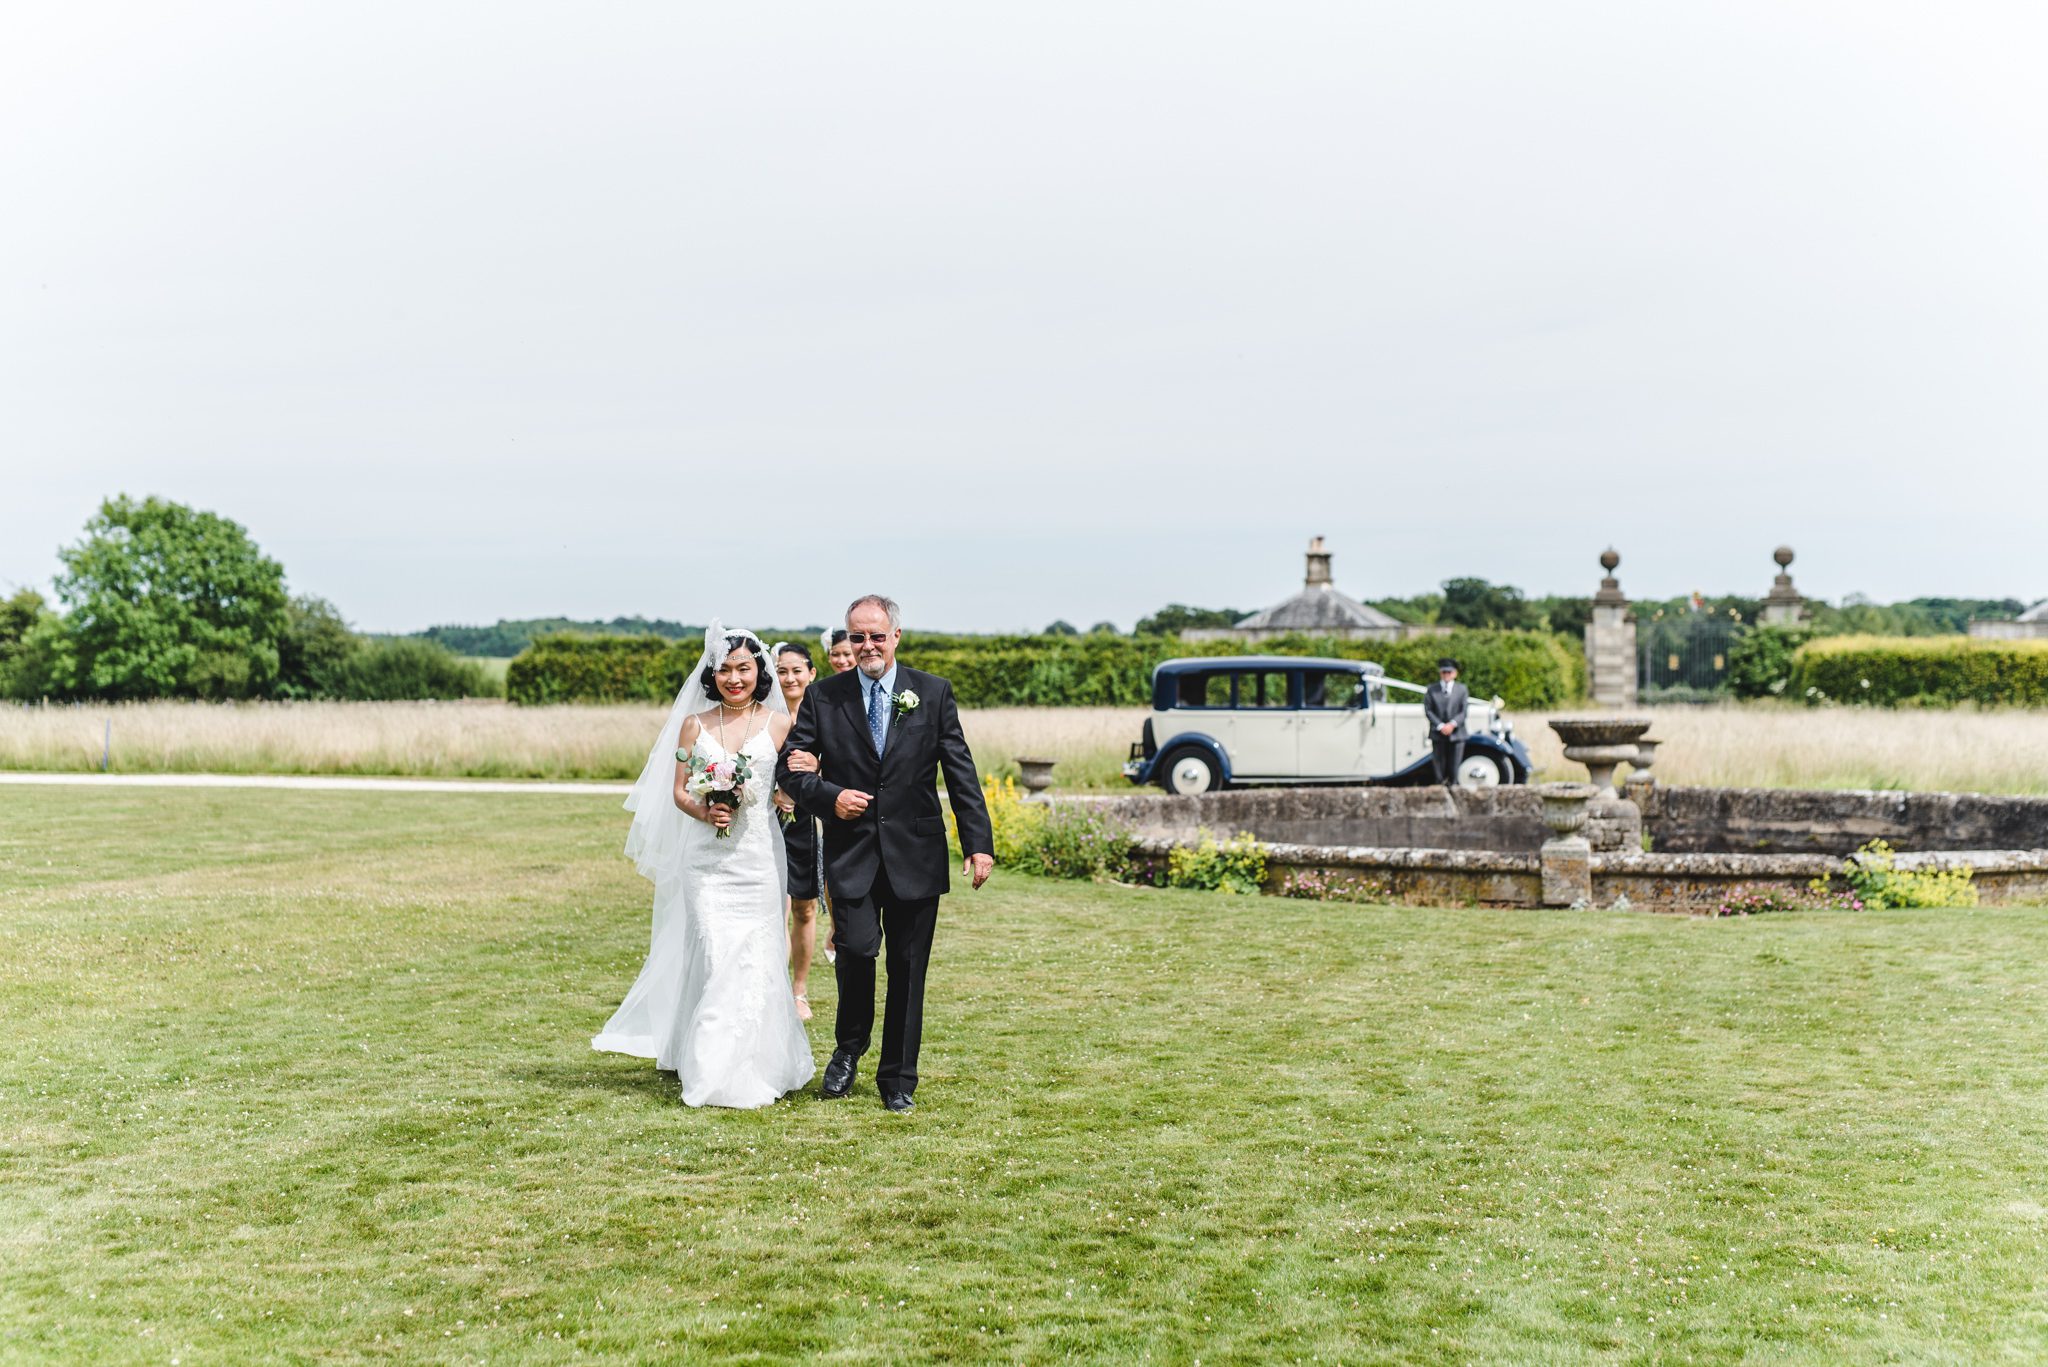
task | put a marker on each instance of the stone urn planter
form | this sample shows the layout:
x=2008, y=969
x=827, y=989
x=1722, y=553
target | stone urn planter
x=1641, y=785
x=1035, y=775
x=1567, y=857
x=1600, y=743
x=1564, y=807
x=1645, y=756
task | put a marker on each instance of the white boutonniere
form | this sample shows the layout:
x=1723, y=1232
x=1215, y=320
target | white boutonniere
x=906, y=702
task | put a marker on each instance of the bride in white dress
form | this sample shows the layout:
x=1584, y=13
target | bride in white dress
x=713, y=1002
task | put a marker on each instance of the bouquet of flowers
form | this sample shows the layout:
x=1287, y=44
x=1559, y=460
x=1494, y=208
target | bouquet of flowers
x=718, y=782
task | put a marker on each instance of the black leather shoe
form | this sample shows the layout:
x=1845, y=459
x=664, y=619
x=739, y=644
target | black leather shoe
x=838, y=1075
x=898, y=1102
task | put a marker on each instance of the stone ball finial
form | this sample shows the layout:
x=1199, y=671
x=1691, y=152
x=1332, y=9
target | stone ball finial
x=1609, y=558
x=1783, y=555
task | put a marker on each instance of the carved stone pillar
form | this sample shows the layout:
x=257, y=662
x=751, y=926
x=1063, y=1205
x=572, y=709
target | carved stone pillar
x=1783, y=606
x=1611, y=641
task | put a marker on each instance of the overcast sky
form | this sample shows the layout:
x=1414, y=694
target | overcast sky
x=472, y=310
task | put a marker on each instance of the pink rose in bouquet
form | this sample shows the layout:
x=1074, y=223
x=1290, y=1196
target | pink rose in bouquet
x=719, y=782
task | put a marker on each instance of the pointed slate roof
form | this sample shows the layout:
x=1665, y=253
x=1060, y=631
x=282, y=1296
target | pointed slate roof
x=1319, y=609
x=2036, y=613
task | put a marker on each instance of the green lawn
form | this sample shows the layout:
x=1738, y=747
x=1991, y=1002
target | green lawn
x=305, y=1077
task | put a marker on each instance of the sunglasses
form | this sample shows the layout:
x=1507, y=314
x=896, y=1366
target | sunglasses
x=863, y=637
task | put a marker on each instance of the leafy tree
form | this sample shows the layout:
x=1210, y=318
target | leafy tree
x=314, y=648
x=32, y=661
x=1858, y=615
x=1760, y=660
x=1421, y=610
x=1954, y=614
x=43, y=664
x=1566, y=615
x=1063, y=628
x=1104, y=628
x=1477, y=603
x=1175, y=618
x=17, y=615
x=170, y=601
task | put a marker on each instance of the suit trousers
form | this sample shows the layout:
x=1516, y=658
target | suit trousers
x=906, y=928
x=1448, y=754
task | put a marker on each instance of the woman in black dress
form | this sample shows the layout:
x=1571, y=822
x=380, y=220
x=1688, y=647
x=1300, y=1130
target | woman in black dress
x=793, y=674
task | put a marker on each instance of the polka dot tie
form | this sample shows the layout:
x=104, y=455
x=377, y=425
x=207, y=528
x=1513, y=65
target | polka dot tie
x=877, y=698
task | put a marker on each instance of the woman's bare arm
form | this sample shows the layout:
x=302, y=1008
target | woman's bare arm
x=687, y=740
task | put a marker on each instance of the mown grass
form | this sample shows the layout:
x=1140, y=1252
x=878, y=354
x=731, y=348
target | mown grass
x=305, y=1076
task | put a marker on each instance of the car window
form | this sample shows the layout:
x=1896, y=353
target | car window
x=1333, y=689
x=1203, y=690
x=1262, y=688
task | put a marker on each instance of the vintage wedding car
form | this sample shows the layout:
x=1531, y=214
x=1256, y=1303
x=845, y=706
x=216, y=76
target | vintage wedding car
x=1259, y=719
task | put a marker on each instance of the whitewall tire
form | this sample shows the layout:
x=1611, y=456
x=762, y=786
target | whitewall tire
x=1190, y=773
x=1481, y=770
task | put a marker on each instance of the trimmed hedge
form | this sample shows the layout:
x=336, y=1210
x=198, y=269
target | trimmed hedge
x=599, y=669
x=406, y=669
x=1528, y=668
x=1924, y=671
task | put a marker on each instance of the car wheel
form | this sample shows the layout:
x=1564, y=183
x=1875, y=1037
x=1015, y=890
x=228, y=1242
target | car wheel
x=1191, y=772
x=1482, y=771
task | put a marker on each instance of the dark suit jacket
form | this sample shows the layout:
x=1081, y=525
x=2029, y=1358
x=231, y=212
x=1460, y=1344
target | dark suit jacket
x=1440, y=707
x=903, y=829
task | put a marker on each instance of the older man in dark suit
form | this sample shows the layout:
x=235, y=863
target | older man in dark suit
x=1444, y=703
x=864, y=755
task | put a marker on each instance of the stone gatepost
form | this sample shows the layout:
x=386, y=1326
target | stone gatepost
x=1567, y=858
x=1783, y=605
x=1611, y=641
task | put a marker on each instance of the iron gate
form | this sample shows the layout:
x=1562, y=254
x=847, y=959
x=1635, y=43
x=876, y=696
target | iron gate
x=1684, y=654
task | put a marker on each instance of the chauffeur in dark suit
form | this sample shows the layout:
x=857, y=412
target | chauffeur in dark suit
x=1443, y=702
x=864, y=755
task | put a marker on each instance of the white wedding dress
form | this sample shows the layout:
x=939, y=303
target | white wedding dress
x=713, y=1003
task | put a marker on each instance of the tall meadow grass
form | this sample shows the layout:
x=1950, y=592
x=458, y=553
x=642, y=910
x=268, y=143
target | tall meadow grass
x=471, y=739
x=1752, y=745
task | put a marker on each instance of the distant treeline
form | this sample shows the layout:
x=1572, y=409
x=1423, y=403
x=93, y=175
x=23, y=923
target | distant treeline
x=1468, y=602
x=160, y=600
x=504, y=639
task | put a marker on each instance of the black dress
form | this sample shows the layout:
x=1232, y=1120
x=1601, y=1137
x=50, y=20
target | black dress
x=800, y=842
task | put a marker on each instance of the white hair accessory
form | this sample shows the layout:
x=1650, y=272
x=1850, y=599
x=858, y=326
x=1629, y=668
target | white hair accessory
x=656, y=836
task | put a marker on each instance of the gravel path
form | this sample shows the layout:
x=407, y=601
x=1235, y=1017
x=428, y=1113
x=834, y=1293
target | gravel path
x=322, y=782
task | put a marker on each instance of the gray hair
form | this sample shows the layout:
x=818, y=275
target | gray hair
x=876, y=600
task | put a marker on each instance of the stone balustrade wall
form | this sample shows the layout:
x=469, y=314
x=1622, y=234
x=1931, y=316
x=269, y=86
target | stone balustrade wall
x=1429, y=847
x=1801, y=821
